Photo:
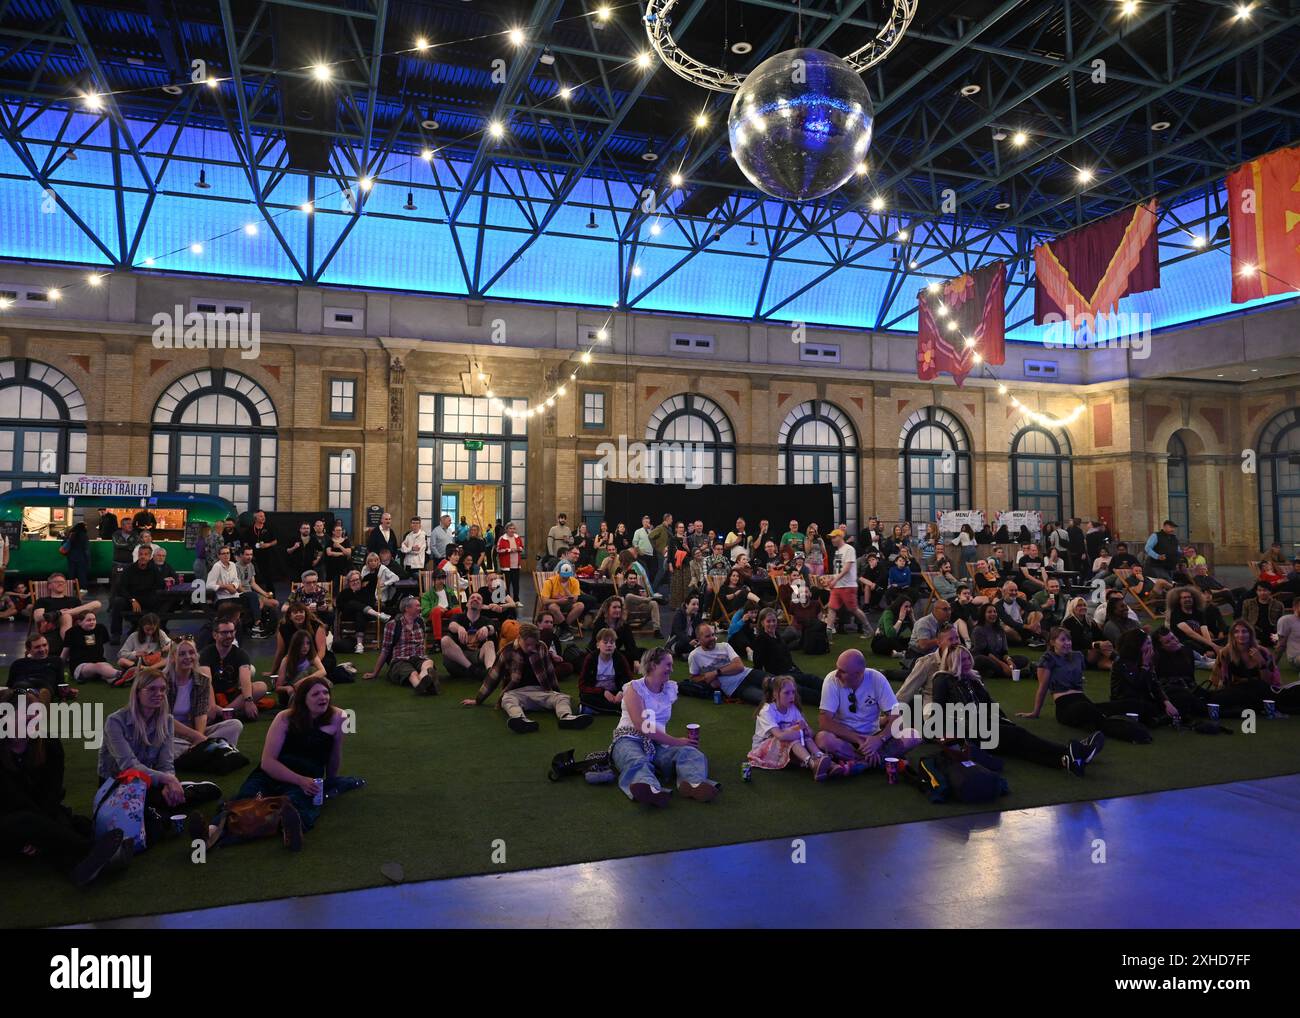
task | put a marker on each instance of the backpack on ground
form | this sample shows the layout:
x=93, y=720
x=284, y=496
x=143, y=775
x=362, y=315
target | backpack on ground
x=946, y=778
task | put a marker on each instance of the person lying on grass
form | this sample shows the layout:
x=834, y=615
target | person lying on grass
x=645, y=756
x=524, y=671
x=34, y=822
x=300, y=760
x=856, y=715
x=782, y=736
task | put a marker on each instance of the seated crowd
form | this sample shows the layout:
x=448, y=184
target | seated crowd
x=616, y=609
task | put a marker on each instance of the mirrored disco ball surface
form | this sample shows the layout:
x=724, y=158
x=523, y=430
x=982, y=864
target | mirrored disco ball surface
x=800, y=124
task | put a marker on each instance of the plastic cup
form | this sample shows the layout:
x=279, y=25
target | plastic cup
x=1131, y=716
x=693, y=731
x=178, y=822
x=229, y=712
x=1270, y=708
x=891, y=769
x=1015, y=674
x=1213, y=709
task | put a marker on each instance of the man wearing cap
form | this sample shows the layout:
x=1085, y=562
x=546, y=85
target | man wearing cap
x=856, y=715
x=844, y=586
x=560, y=595
x=402, y=648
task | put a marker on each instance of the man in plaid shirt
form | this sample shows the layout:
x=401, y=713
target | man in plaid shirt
x=527, y=679
x=403, y=645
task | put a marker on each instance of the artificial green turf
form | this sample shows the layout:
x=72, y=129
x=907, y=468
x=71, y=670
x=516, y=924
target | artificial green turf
x=447, y=782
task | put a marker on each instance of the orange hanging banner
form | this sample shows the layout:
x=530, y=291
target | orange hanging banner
x=1264, y=220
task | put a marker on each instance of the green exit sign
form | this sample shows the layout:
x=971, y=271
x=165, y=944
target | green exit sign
x=473, y=444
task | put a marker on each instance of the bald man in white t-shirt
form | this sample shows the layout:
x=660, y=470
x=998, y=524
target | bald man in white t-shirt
x=857, y=712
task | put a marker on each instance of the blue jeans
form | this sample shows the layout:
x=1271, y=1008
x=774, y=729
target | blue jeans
x=671, y=764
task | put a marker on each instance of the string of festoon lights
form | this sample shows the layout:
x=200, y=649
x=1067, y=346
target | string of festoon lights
x=548, y=401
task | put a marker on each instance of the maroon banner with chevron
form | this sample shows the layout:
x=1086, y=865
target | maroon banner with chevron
x=962, y=324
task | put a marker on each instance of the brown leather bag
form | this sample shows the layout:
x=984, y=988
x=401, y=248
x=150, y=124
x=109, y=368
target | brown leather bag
x=255, y=818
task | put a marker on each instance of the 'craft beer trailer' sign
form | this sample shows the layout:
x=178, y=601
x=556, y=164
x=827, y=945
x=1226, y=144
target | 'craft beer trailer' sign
x=88, y=485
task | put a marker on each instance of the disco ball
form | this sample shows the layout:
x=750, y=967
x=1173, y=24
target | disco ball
x=800, y=124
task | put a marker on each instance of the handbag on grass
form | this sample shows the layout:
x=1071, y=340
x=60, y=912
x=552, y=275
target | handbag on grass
x=211, y=756
x=248, y=819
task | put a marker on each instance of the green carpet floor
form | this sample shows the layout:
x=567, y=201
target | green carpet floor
x=447, y=782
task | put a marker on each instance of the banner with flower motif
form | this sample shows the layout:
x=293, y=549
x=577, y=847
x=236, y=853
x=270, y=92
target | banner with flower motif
x=962, y=324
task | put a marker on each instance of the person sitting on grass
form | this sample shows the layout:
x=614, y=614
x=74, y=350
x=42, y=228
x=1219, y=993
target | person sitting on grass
x=299, y=617
x=300, y=760
x=645, y=756
x=1060, y=672
x=231, y=669
x=147, y=645
x=782, y=735
x=855, y=716
x=948, y=656
x=685, y=623
x=299, y=662
x=1245, y=674
x=1087, y=635
x=772, y=655
x=1288, y=635
x=40, y=671
x=895, y=631
x=189, y=697
x=1019, y=621
x=1133, y=677
x=527, y=679
x=965, y=688
x=402, y=648
x=83, y=649
x=604, y=674
x=469, y=647
x=613, y=616
x=989, y=646
x=560, y=596
x=34, y=822
x=715, y=665
x=1185, y=617
x=16, y=603
x=142, y=737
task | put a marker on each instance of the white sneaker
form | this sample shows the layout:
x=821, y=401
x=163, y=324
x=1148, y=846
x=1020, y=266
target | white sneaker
x=899, y=654
x=830, y=630
x=385, y=617
x=361, y=647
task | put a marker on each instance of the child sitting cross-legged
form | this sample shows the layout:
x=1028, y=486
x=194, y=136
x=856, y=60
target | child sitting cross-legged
x=780, y=733
x=604, y=673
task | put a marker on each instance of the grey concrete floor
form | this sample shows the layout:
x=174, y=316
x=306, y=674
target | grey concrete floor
x=1155, y=860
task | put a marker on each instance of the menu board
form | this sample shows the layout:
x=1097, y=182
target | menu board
x=13, y=530
x=191, y=532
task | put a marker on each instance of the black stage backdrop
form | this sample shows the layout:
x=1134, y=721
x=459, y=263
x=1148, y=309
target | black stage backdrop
x=718, y=505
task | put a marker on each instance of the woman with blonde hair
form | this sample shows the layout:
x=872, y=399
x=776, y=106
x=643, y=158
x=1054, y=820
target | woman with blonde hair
x=195, y=717
x=1085, y=634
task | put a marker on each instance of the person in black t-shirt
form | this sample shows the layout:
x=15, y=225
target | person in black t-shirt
x=232, y=673
x=54, y=613
x=107, y=524
x=1122, y=559
x=83, y=649
x=40, y=671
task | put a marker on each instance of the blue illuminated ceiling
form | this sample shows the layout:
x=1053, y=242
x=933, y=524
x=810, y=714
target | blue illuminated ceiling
x=562, y=208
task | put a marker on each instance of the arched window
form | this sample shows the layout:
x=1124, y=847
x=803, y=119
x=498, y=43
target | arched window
x=42, y=425
x=214, y=432
x=820, y=446
x=1042, y=475
x=933, y=466
x=691, y=442
x=1176, y=473
x=1279, y=482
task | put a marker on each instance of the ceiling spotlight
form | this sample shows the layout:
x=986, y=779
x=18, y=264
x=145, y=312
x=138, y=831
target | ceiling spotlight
x=321, y=72
x=877, y=204
x=643, y=60
x=1085, y=175
x=636, y=270
x=902, y=235
x=1129, y=8
x=496, y=129
x=366, y=183
x=1198, y=241
x=429, y=124
x=1243, y=12
x=426, y=154
x=54, y=293
x=148, y=261
x=250, y=229
x=93, y=279
x=913, y=264
x=649, y=157
x=1160, y=125
x=591, y=221
x=202, y=183
x=565, y=92
x=969, y=90
x=1246, y=269
x=602, y=13
x=999, y=135
x=655, y=229
x=213, y=82
x=741, y=48
x=676, y=180
x=546, y=58
x=422, y=43
x=92, y=101
x=862, y=169
x=1019, y=138
x=1002, y=206
x=172, y=89
x=932, y=288
x=307, y=207
x=410, y=205
x=196, y=248
x=701, y=121
x=516, y=36
x=753, y=240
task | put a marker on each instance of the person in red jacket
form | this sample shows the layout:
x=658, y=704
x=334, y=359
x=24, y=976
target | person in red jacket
x=510, y=555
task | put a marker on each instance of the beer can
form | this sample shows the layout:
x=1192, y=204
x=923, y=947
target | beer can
x=1213, y=709
x=319, y=798
x=717, y=696
x=746, y=771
